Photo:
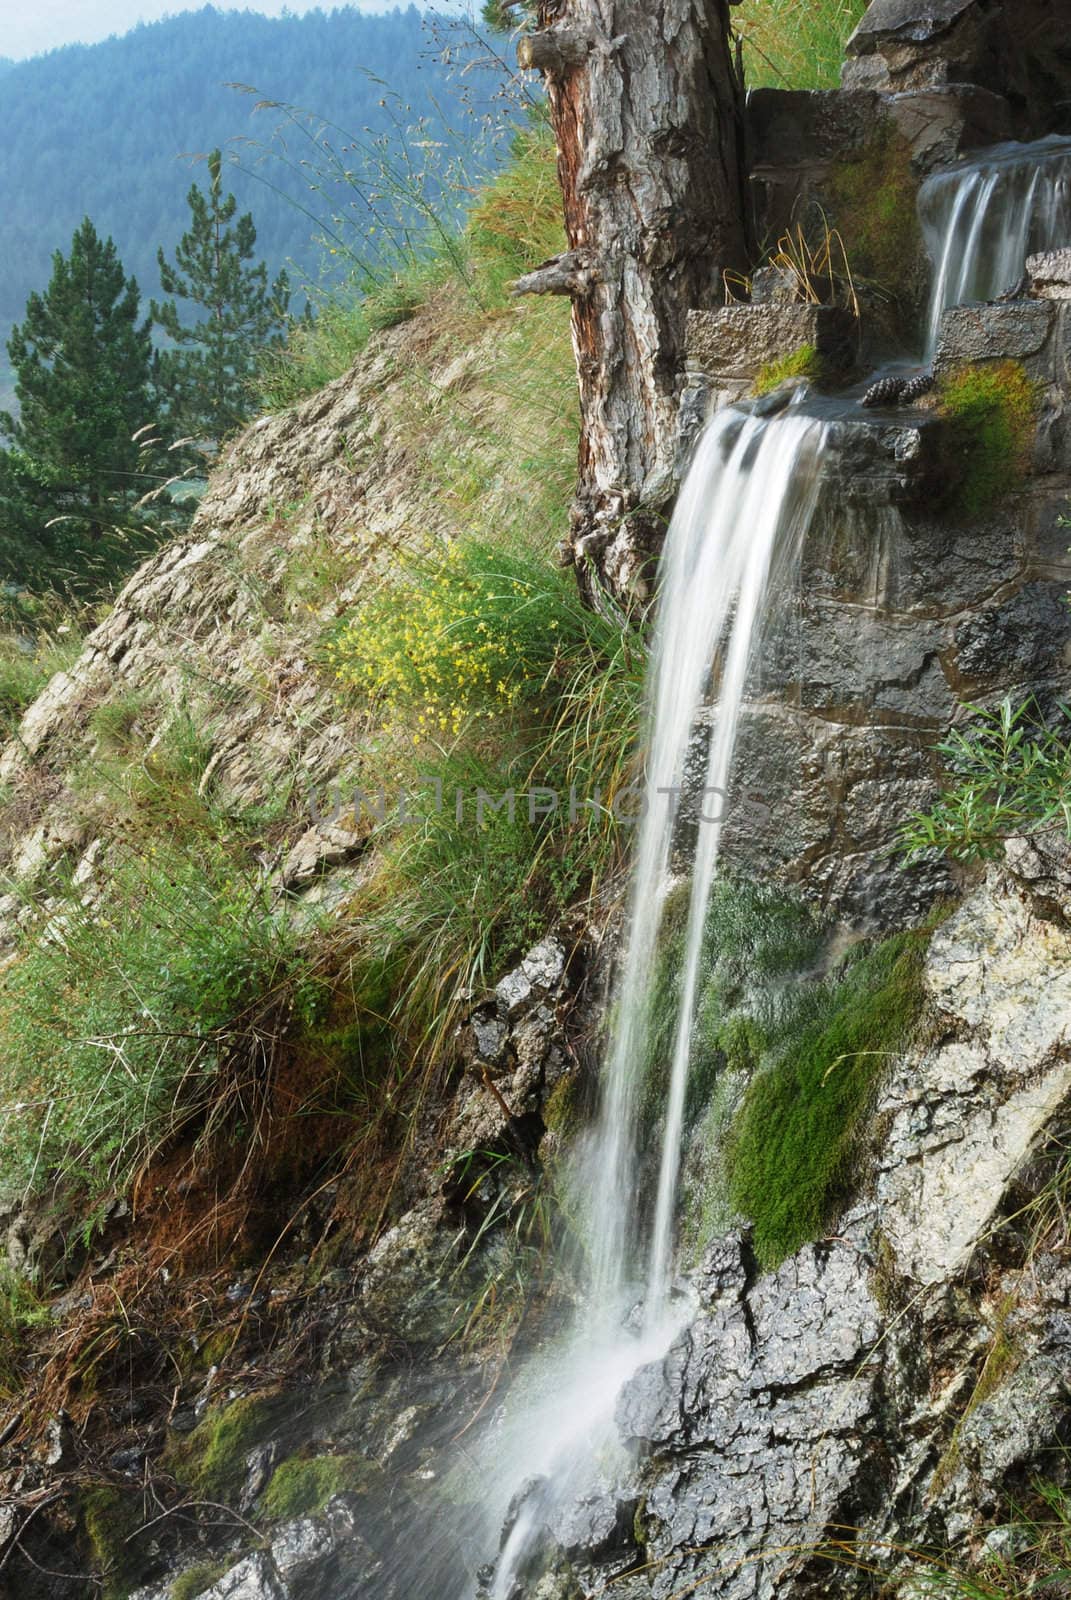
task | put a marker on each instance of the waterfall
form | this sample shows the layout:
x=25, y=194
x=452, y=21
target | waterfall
x=982, y=218
x=740, y=518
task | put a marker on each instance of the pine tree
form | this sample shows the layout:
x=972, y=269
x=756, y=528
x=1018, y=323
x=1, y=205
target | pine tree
x=208, y=377
x=70, y=484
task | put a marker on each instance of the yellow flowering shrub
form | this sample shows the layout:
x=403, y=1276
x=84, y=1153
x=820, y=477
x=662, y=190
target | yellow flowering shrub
x=473, y=635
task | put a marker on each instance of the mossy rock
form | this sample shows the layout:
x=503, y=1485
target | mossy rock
x=874, y=207
x=802, y=363
x=212, y=1459
x=302, y=1486
x=196, y=1581
x=108, y=1518
x=562, y=1110
x=990, y=413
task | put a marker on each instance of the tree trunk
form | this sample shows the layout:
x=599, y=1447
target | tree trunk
x=647, y=110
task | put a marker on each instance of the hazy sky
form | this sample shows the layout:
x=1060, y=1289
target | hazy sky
x=30, y=26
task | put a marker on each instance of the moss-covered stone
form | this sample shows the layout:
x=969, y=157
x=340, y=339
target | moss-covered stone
x=195, y=1581
x=212, y=1459
x=991, y=415
x=108, y=1519
x=802, y=363
x=302, y=1486
x=562, y=1109
x=873, y=204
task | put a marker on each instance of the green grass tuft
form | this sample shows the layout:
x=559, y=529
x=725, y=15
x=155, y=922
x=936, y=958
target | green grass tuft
x=515, y=224
x=795, y=1140
x=795, y=44
x=157, y=1012
x=802, y=363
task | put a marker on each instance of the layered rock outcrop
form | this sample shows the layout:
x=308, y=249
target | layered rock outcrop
x=846, y=1404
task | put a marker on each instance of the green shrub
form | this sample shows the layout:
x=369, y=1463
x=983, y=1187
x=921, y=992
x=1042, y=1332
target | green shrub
x=486, y=636
x=476, y=634
x=991, y=416
x=793, y=1144
x=1007, y=775
x=802, y=363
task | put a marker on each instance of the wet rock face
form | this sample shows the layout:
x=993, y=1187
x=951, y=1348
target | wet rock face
x=757, y=1418
x=841, y=1391
x=900, y=612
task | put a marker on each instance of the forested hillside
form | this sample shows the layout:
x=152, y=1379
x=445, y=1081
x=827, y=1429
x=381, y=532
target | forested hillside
x=103, y=130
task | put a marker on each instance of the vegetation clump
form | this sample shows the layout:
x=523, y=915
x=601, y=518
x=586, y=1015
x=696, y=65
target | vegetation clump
x=21, y=1310
x=795, y=1139
x=28, y=662
x=802, y=363
x=791, y=1036
x=991, y=415
x=121, y=1028
x=1007, y=776
x=797, y=44
x=194, y=1582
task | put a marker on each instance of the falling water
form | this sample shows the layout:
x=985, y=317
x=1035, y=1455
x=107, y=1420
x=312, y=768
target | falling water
x=982, y=218
x=740, y=518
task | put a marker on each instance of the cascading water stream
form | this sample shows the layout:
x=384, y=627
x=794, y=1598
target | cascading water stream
x=740, y=518
x=982, y=218
x=767, y=496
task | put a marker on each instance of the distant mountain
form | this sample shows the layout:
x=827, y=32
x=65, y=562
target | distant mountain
x=6, y=64
x=101, y=130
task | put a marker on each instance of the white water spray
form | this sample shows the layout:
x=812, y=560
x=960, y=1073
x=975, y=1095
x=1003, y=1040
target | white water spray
x=741, y=515
x=982, y=218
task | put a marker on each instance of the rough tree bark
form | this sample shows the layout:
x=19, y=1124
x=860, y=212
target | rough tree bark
x=646, y=104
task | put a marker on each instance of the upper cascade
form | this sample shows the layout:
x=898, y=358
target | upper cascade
x=982, y=218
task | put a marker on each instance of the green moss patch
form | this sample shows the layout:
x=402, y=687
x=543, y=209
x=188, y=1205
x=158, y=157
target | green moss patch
x=991, y=415
x=196, y=1580
x=212, y=1459
x=802, y=363
x=873, y=201
x=793, y=1145
x=109, y=1518
x=301, y=1487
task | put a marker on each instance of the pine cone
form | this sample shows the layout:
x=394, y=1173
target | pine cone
x=886, y=392
x=915, y=388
